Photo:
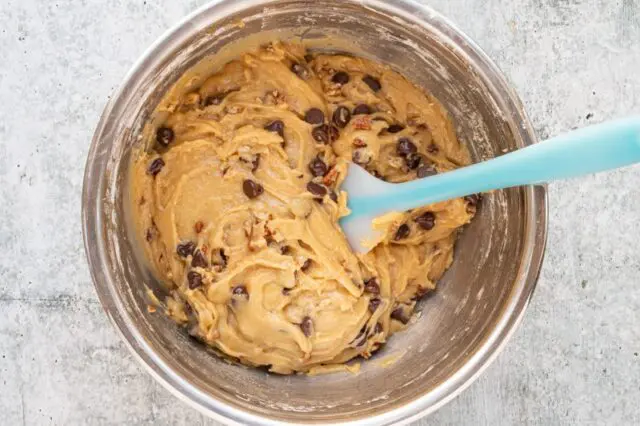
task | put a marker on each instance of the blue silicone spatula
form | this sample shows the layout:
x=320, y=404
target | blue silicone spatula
x=592, y=149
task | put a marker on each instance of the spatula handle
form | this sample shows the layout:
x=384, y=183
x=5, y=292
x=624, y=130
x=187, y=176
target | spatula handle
x=588, y=150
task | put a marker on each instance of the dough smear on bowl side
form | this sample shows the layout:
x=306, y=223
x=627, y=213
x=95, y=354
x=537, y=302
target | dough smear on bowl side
x=237, y=204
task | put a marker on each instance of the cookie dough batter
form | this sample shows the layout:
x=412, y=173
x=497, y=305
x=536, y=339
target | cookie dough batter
x=237, y=200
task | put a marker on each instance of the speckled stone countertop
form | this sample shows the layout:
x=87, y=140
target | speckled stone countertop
x=574, y=360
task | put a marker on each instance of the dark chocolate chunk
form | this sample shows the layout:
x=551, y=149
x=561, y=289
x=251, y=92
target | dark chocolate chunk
x=402, y=232
x=361, y=338
x=361, y=156
x=317, y=189
x=186, y=249
x=361, y=109
x=285, y=249
x=373, y=304
x=307, y=326
x=395, y=128
x=306, y=265
x=317, y=167
x=194, y=279
x=378, y=328
x=325, y=133
x=398, y=314
x=426, y=170
x=341, y=116
x=314, y=116
x=405, y=147
x=252, y=189
x=426, y=221
x=340, y=77
x=473, y=199
x=155, y=166
x=199, y=260
x=413, y=161
x=371, y=285
x=276, y=126
x=372, y=82
x=218, y=258
x=214, y=99
x=255, y=163
x=164, y=136
x=240, y=290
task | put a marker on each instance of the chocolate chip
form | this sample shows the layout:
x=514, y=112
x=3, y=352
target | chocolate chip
x=361, y=156
x=252, y=189
x=402, y=232
x=398, y=314
x=306, y=265
x=333, y=133
x=325, y=133
x=333, y=196
x=199, y=260
x=214, y=99
x=432, y=148
x=164, y=136
x=373, y=304
x=426, y=170
x=371, y=285
x=395, y=128
x=314, y=116
x=316, y=189
x=155, y=166
x=285, y=291
x=276, y=126
x=317, y=167
x=307, y=326
x=340, y=77
x=426, y=221
x=188, y=310
x=361, y=109
x=378, y=328
x=195, y=280
x=341, y=116
x=240, y=290
x=218, y=258
x=285, y=250
x=372, y=82
x=361, y=338
x=405, y=147
x=413, y=160
x=473, y=199
x=186, y=249
x=300, y=70
x=255, y=163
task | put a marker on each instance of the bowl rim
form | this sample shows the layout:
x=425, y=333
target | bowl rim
x=92, y=210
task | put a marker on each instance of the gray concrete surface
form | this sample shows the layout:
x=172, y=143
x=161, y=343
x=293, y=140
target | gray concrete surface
x=575, y=359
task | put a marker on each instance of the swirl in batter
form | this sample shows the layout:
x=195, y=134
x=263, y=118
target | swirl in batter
x=238, y=200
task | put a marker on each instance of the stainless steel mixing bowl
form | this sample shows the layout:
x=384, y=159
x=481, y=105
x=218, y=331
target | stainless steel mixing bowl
x=480, y=300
